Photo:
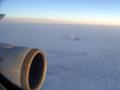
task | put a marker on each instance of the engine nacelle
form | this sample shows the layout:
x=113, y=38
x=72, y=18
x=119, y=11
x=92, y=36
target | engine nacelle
x=22, y=67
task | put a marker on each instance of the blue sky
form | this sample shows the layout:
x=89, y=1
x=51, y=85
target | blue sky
x=86, y=10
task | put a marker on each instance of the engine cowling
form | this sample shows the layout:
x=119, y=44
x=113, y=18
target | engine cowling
x=22, y=67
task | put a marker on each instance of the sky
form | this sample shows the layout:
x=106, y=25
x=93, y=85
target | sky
x=86, y=11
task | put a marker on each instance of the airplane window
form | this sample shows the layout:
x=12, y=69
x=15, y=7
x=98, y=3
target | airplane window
x=80, y=38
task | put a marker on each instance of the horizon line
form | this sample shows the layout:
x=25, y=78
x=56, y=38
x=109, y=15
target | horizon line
x=62, y=21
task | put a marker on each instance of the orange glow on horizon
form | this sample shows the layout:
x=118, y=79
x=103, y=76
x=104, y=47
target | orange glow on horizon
x=66, y=21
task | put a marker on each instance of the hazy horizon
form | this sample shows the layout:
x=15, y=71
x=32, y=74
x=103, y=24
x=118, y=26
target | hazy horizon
x=55, y=21
x=83, y=11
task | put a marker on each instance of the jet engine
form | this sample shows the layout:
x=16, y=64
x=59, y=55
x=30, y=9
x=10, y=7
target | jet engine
x=21, y=67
